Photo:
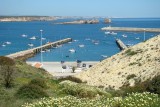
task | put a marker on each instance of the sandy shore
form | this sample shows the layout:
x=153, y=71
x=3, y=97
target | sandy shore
x=55, y=68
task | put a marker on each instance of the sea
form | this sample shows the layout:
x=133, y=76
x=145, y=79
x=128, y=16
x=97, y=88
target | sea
x=97, y=44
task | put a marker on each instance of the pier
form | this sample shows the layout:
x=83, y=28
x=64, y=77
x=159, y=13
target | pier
x=23, y=55
x=130, y=29
x=121, y=45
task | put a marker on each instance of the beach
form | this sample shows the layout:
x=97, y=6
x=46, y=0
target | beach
x=55, y=68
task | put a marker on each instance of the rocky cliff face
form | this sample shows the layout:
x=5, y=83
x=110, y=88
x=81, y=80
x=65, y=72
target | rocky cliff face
x=135, y=64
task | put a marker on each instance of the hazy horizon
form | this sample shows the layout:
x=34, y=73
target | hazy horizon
x=83, y=8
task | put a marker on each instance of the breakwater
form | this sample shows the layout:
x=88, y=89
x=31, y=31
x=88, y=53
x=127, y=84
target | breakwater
x=130, y=29
x=121, y=45
x=23, y=55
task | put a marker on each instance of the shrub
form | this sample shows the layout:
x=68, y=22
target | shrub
x=130, y=52
x=39, y=81
x=81, y=90
x=130, y=76
x=71, y=78
x=154, y=85
x=31, y=91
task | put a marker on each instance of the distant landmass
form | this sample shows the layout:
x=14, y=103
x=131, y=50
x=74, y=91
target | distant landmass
x=26, y=18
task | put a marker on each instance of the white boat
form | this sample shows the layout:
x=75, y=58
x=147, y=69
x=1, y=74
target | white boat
x=3, y=45
x=113, y=33
x=81, y=46
x=107, y=33
x=104, y=56
x=8, y=43
x=124, y=35
x=33, y=38
x=72, y=50
x=24, y=35
x=75, y=40
x=137, y=38
x=30, y=44
x=43, y=38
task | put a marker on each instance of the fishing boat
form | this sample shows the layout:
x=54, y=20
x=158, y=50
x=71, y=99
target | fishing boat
x=72, y=50
x=33, y=38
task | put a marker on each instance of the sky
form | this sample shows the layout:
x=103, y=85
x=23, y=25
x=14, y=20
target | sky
x=107, y=8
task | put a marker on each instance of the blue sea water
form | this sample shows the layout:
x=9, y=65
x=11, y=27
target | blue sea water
x=12, y=31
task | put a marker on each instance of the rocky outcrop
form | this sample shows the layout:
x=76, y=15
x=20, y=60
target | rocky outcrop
x=107, y=20
x=82, y=22
x=132, y=65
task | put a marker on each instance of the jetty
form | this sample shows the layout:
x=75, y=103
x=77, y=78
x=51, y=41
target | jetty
x=121, y=45
x=23, y=55
x=131, y=29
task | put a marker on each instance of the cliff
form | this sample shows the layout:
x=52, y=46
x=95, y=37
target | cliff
x=26, y=18
x=130, y=66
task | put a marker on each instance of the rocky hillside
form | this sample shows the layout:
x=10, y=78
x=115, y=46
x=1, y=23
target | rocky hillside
x=135, y=64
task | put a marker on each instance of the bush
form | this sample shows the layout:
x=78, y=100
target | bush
x=39, y=82
x=130, y=76
x=71, y=78
x=154, y=85
x=31, y=91
x=82, y=90
x=130, y=52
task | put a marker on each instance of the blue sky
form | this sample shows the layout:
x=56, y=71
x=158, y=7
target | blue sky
x=111, y=8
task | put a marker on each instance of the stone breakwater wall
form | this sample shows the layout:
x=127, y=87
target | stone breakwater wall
x=121, y=45
x=23, y=55
x=130, y=29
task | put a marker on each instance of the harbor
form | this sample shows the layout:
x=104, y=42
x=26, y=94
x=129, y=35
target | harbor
x=131, y=29
x=31, y=52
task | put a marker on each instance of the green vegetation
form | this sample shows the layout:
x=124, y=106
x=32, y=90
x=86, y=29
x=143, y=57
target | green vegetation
x=132, y=100
x=81, y=90
x=129, y=52
x=32, y=87
x=7, y=67
x=130, y=76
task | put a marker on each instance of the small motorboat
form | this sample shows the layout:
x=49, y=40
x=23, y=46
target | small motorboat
x=8, y=43
x=137, y=38
x=30, y=44
x=124, y=36
x=72, y=50
x=43, y=38
x=3, y=45
x=107, y=33
x=113, y=33
x=24, y=35
x=81, y=46
x=33, y=38
x=104, y=56
x=87, y=39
